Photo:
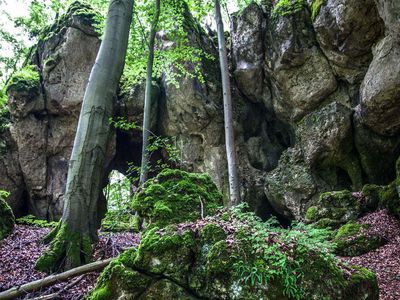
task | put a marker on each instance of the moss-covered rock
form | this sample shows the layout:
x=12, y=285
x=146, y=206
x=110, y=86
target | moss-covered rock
x=176, y=196
x=25, y=80
x=7, y=219
x=334, y=208
x=233, y=255
x=353, y=239
x=80, y=15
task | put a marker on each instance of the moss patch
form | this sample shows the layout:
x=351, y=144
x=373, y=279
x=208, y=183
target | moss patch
x=67, y=250
x=84, y=11
x=176, y=196
x=33, y=221
x=315, y=8
x=7, y=219
x=288, y=7
x=353, y=239
x=27, y=79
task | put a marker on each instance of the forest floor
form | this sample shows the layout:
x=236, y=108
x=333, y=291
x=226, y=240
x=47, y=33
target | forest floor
x=384, y=261
x=19, y=252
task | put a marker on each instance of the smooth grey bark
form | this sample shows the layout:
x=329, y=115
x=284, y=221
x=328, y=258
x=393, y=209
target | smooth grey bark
x=144, y=169
x=79, y=223
x=234, y=192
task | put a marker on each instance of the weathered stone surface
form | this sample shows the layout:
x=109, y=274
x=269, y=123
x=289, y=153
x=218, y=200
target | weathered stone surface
x=301, y=75
x=247, y=31
x=377, y=153
x=346, y=31
x=326, y=139
x=291, y=186
x=11, y=178
x=44, y=118
x=379, y=107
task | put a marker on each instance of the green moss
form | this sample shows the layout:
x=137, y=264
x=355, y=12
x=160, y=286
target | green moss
x=311, y=214
x=7, y=219
x=67, y=250
x=352, y=240
x=316, y=7
x=27, y=79
x=86, y=13
x=361, y=274
x=288, y=7
x=33, y=221
x=348, y=230
x=175, y=196
x=212, y=233
x=101, y=293
x=337, y=207
x=5, y=120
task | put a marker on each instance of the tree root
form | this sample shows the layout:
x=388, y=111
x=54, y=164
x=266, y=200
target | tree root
x=67, y=250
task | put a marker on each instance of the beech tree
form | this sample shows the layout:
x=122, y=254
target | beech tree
x=147, y=99
x=71, y=240
x=234, y=192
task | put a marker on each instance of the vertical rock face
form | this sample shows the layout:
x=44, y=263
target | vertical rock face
x=346, y=31
x=316, y=106
x=44, y=118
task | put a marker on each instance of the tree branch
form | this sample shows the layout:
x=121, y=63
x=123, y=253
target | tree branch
x=52, y=279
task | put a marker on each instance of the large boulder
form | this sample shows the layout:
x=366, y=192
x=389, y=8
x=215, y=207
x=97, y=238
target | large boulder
x=291, y=186
x=175, y=196
x=346, y=31
x=231, y=256
x=45, y=108
x=301, y=75
x=247, y=31
x=380, y=90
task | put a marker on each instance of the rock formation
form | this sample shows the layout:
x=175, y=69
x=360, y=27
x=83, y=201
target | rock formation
x=316, y=95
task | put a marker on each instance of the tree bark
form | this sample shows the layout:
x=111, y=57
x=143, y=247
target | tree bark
x=71, y=240
x=234, y=192
x=144, y=169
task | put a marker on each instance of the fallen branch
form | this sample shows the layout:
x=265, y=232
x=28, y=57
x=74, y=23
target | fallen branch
x=56, y=294
x=52, y=279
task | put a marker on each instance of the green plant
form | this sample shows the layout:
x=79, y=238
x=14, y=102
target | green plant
x=281, y=253
x=171, y=155
x=288, y=7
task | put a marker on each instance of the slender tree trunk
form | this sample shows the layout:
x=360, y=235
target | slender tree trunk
x=144, y=169
x=71, y=240
x=226, y=89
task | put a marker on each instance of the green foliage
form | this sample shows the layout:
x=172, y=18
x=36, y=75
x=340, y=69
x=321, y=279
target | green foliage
x=315, y=8
x=7, y=219
x=288, y=7
x=176, y=196
x=280, y=253
x=33, y=221
x=119, y=216
x=174, y=56
x=27, y=79
x=157, y=144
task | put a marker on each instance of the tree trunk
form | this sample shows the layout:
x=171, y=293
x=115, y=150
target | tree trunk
x=71, y=240
x=234, y=193
x=144, y=169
